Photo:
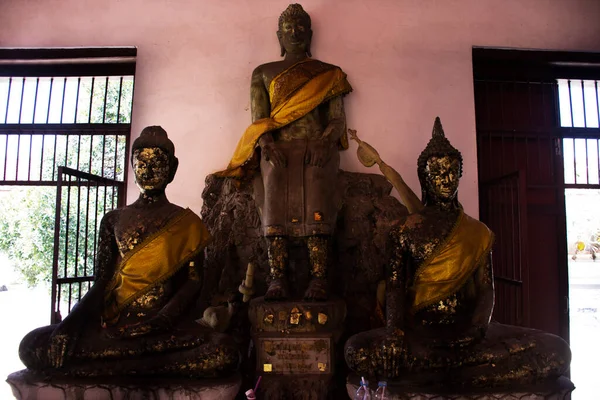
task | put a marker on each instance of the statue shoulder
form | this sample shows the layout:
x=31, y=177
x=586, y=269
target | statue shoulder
x=476, y=224
x=267, y=66
x=264, y=73
x=267, y=69
x=328, y=65
x=111, y=217
x=174, y=209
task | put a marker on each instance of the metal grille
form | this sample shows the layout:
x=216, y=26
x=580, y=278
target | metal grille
x=82, y=123
x=43, y=100
x=65, y=120
x=578, y=102
x=580, y=121
x=82, y=200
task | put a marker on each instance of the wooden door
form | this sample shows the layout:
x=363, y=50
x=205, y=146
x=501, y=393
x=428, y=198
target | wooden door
x=505, y=212
x=518, y=148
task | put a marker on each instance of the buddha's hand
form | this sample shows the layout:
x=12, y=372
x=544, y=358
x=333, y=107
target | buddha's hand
x=393, y=353
x=318, y=153
x=366, y=153
x=157, y=324
x=273, y=155
x=473, y=334
x=62, y=343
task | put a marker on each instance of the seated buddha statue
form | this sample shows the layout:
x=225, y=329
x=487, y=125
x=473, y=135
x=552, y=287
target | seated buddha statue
x=138, y=317
x=440, y=297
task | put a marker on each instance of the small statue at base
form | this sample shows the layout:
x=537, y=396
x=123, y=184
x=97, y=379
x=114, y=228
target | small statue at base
x=440, y=297
x=298, y=124
x=135, y=319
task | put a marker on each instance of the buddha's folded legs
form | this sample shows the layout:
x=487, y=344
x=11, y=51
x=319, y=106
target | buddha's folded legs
x=507, y=355
x=513, y=354
x=190, y=352
x=372, y=354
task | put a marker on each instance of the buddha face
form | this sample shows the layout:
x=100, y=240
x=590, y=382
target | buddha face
x=151, y=168
x=442, y=177
x=294, y=35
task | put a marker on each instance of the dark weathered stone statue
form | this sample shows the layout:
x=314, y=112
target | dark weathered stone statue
x=138, y=319
x=440, y=297
x=298, y=126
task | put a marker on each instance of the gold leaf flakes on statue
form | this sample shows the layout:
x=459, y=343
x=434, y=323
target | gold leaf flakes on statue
x=322, y=318
x=268, y=368
x=295, y=315
x=269, y=319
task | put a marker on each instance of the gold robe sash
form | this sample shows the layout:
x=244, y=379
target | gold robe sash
x=449, y=268
x=155, y=260
x=293, y=93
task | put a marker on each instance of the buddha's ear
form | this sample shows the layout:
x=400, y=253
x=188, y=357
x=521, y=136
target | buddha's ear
x=173, y=165
x=424, y=196
x=309, y=40
x=280, y=44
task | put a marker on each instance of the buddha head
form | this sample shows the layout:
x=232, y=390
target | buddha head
x=153, y=160
x=439, y=168
x=294, y=31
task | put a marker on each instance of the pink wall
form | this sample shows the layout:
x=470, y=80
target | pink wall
x=408, y=60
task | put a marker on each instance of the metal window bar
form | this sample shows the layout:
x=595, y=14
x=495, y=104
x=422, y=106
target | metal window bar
x=73, y=266
x=60, y=101
x=7, y=99
x=581, y=153
x=55, y=145
x=45, y=123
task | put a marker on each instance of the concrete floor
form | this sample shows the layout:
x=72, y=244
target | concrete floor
x=584, y=301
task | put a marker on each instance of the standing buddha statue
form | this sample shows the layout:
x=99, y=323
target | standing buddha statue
x=298, y=125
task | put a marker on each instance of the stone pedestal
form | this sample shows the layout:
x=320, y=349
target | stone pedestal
x=295, y=343
x=27, y=385
x=557, y=390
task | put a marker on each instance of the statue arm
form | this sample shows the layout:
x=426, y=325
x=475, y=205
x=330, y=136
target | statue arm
x=261, y=108
x=320, y=151
x=259, y=97
x=168, y=316
x=396, y=283
x=66, y=334
x=91, y=305
x=336, y=120
x=484, y=279
x=186, y=296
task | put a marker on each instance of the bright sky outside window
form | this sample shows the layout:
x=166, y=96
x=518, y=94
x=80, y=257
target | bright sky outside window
x=58, y=100
x=579, y=108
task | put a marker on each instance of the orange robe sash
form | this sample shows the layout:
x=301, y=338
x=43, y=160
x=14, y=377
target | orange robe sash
x=293, y=93
x=449, y=268
x=155, y=260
